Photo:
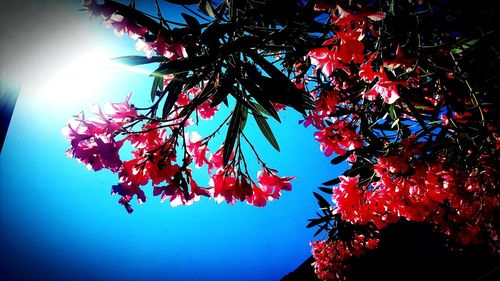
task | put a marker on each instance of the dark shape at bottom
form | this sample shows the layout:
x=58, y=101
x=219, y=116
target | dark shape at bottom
x=412, y=251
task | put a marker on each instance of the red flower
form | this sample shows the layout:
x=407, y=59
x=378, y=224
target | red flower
x=127, y=192
x=271, y=184
x=224, y=183
x=171, y=51
x=134, y=172
x=337, y=138
x=216, y=161
x=197, y=149
x=386, y=89
x=122, y=25
x=122, y=111
x=327, y=60
x=205, y=111
x=347, y=198
x=258, y=198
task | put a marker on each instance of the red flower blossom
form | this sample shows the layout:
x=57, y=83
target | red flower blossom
x=386, y=89
x=326, y=59
x=337, y=138
x=216, y=161
x=205, y=111
x=258, y=198
x=224, y=183
x=171, y=51
x=271, y=184
x=122, y=25
x=197, y=149
x=122, y=111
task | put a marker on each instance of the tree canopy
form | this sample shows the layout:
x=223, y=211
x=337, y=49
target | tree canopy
x=403, y=91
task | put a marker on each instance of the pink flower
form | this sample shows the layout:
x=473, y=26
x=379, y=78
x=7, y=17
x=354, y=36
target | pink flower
x=197, y=149
x=216, y=162
x=205, y=111
x=122, y=25
x=92, y=144
x=127, y=192
x=337, y=138
x=258, y=198
x=223, y=183
x=271, y=184
x=175, y=194
x=170, y=51
x=327, y=60
x=122, y=111
x=386, y=89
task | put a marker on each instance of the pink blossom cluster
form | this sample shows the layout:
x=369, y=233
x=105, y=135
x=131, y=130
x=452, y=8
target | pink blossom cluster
x=332, y=257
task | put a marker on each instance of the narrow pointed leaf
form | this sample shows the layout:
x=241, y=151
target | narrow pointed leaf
x=157, y=85
x=206, y=8
x=341, y=158
x=332, y=182
x=233, y=133
x=137, y=60
x=327, y=190
x=172, y=90
x=191, y=21
x=180, y=65
x=321, y=201
x=266, y=131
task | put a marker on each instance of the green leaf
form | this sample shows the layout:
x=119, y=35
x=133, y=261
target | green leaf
x=321, y=228
x=192, y=22
x=392, y=112
x=222, y=91
x=341, y=158
x=233, y=132
x=321, y=201
x=137, y=60
x=314, y=222
x=280, y=83
x=220, y=95
x=327, y=190
x=157, y=84
x=332, y=182
x=180, y=66
x=206, y=8
x=266, y=131
x=395, y=123
x=244, y=117
x=173, y=90
x=470, y=43
x=260, y=97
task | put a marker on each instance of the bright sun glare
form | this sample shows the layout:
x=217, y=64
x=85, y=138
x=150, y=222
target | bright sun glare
x=77, y=80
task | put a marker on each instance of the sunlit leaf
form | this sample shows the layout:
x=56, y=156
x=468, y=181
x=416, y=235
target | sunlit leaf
x=137, y=60
x=233, y=132
x=157, y=85
x=266, y=131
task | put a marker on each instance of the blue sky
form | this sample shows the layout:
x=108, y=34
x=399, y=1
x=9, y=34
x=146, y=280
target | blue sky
x=58, y=220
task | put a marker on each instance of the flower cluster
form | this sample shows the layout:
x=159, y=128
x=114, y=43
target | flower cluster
x=332, y=257
x=421, y=143
x=146, y=41
x=383, y=89
x=95, y=142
